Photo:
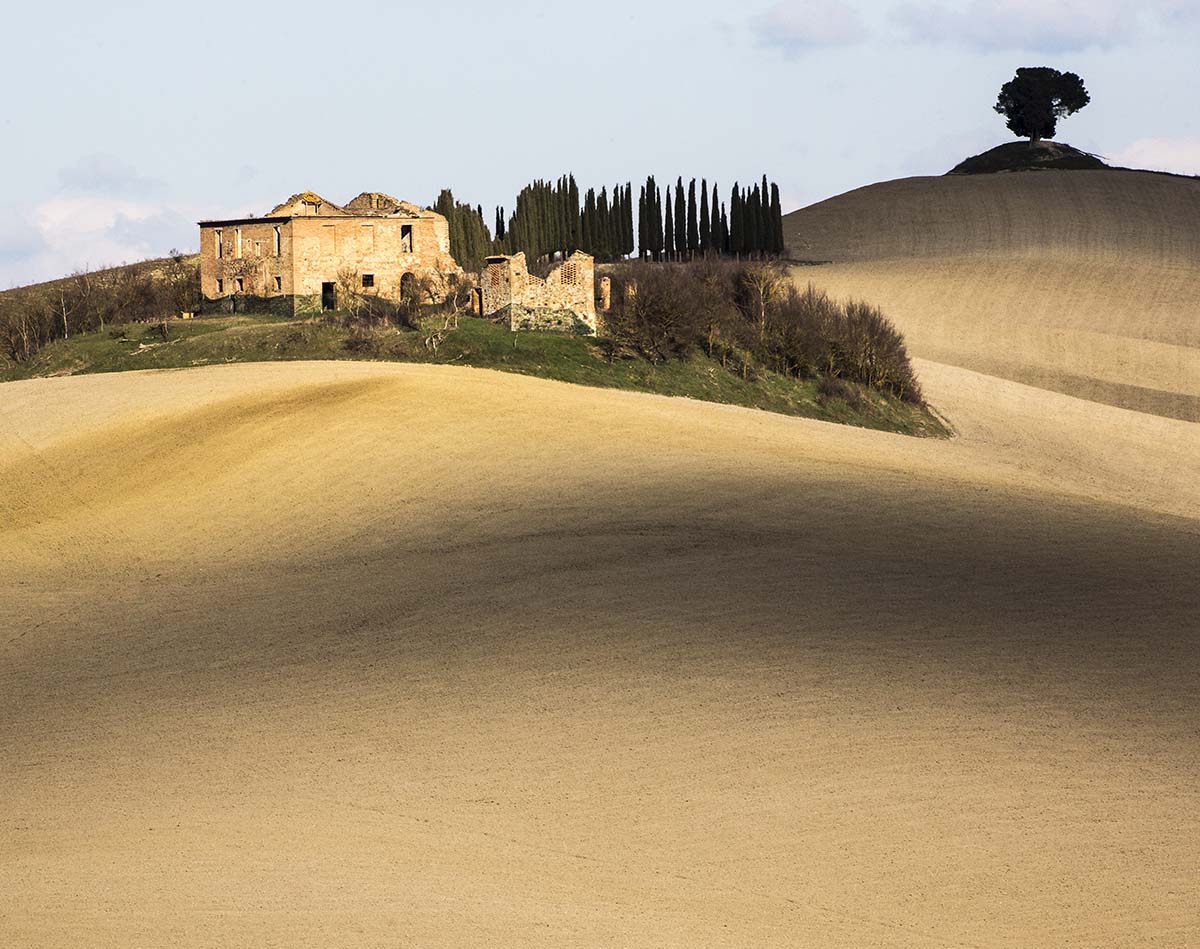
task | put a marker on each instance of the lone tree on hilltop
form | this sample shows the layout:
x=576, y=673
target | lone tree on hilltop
x=1037, y=97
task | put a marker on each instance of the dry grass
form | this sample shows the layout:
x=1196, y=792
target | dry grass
x=1081, y=282
x=314, y=654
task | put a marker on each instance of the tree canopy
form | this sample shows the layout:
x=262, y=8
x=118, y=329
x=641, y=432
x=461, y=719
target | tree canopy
x=1037, y=97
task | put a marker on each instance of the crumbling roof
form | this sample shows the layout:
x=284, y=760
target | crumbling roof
x=367, y=204
x=292, y=206
x=377, y=203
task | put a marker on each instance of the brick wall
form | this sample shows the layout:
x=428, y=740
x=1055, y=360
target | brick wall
x=382, y=247
x=257, y=266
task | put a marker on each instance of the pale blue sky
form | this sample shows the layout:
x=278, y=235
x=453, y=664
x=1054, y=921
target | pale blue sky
x=125, y=122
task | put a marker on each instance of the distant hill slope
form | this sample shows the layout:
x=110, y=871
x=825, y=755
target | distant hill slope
x=1083, y=282
x=152, y=265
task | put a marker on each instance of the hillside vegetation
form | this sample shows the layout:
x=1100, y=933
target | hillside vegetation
x=693, y=374
x=1027, y=156
x=1082, y=282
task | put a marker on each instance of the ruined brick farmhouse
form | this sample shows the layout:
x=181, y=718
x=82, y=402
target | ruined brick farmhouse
x=307, y=253
x=295, y=258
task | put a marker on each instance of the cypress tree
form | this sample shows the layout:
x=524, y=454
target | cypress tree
x=657, y=222
x=680, y=218
x=613, y=230
x=618, y=213
x=777, y=245
x=705, y=227
x=630, y=243
x=693, y=228
x=714, y=239
x=574, y=235
x=726, y=240
x=669, y=246
x=561, y=213
x=587, y=240
x=736, y=243
x=753, y=220
x=627, y=221
x=603, y=224
x=643, y=221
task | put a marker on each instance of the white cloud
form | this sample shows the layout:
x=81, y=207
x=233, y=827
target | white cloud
x=1180, y=155
x=1047, y=26
x=41, y=240
x=56, y=236
x=96, y=230
x=100, y=173
x=796, y=26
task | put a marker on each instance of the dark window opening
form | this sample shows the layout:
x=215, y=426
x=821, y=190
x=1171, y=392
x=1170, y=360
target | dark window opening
x=220, y=286
x=279, y=283
x=368, y=280
x=406, y=239
x=241, y=285
x=329, y=296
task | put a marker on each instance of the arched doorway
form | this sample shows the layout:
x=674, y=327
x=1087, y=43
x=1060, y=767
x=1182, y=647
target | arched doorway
x=408, y=287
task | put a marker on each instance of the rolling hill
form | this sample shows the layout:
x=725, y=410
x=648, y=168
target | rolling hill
x=349, y=653
x=1081, y=282
x=345, y=653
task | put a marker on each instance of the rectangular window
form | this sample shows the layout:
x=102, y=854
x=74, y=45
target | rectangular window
x=406, y=239
x=278, y=241
x=237, y=236
x=278, y=283
x=220, y=245
x=258, y=248
x=241, y=285
x=368, y=239
x=220, y=286
x=368, y=280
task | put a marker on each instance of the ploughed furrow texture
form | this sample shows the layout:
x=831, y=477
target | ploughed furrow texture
x=360, y=654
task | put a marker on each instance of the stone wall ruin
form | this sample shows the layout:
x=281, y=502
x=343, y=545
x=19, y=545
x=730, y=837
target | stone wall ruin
x=564, y=302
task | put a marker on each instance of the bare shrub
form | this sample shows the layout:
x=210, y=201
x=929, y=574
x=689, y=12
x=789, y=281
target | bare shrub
x=751, y=317
x=874, y=353
x=32, y=317
x=657, y=310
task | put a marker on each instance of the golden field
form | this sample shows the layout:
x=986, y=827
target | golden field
x=364, y=654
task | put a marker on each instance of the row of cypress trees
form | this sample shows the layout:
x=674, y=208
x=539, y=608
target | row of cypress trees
x=677, y=227
x=549, y=219
x=673, y=222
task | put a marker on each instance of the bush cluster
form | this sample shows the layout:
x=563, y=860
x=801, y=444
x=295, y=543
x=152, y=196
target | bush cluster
x=31, y=317
x=752, y=317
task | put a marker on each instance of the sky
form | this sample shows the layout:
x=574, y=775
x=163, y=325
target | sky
x=125, y=123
